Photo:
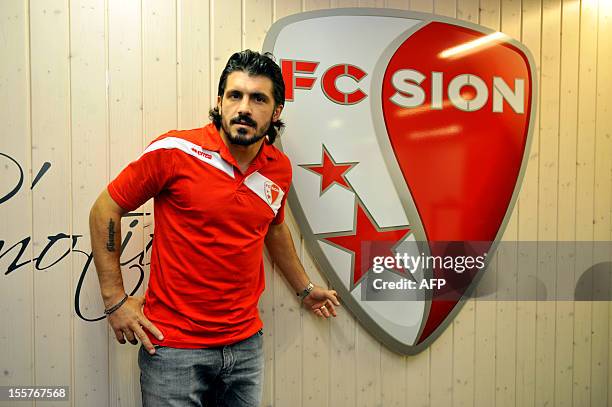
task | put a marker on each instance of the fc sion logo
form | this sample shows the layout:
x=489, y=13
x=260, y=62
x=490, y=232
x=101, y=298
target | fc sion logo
x=272, y=191
x=408, y=136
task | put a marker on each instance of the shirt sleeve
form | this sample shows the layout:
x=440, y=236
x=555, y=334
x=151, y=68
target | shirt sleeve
x=143, y=179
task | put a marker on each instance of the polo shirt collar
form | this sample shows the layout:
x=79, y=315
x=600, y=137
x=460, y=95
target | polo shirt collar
x=268, y=151
x=211, y=139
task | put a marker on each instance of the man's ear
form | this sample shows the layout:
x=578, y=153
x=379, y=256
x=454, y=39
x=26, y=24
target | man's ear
x=277, y=112
x=219, y=103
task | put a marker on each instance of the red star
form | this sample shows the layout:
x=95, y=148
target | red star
x=330, y=171
x=358, y=242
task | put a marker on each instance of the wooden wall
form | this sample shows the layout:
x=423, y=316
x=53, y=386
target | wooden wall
x=86, y=84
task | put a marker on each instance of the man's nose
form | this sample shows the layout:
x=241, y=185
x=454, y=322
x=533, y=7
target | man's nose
x=245, y=106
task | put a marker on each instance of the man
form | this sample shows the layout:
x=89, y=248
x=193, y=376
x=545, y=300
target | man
x=219, y=194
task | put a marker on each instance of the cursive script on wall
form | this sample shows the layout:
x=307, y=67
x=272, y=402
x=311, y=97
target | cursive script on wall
x=49, y=256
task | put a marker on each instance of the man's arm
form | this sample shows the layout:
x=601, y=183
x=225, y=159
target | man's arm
x=105, y=228
x=282, y=251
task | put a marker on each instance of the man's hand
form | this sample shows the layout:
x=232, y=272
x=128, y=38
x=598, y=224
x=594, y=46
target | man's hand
x=128, y=322
x=282, y=251
x=322, y=302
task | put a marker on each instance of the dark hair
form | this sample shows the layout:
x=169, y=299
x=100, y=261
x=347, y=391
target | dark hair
x=254, y=64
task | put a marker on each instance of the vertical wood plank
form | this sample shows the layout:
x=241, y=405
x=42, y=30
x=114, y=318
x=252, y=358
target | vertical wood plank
x=392, y=378
x=125, y=85
x=585, y=153
x=547, y=202
x=89, y=114
x=284, y=8
x=604, y=133
x=371, y=3
x=601, y=213
x=343, y=3
x=342, y=381
x=467, y=10
x=566, y=227
x=484, y=344
x=486, y=354
x=287, y=334
x=16, y=288
x=266, y=312
x=604, y=124
x=257, y=21
x=194, y=67
x=527, y=229
x=316, y=366
x=507, y=256
x=51, y=133
x=490, y=14
x=159, y=67
x=368, y=372
x=398, y=4
x=463, y=356
x=505, y=373
x=446, y=8
x=425, y=6
x=126, y=143
x=418, y=377
x=441, y=372
x=310, y=5
x=226, y=33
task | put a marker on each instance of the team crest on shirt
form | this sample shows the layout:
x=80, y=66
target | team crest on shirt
x=272, y=192
x=408, y=145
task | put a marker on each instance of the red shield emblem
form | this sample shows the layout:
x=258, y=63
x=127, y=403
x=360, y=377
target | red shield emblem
x=272, y=191
x=408, y=137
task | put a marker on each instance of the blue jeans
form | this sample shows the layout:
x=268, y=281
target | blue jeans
x=228, y=376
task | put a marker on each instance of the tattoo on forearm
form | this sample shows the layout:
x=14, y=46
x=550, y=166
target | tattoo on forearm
x=110, y=245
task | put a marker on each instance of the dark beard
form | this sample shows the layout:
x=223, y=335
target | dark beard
x=240, y=138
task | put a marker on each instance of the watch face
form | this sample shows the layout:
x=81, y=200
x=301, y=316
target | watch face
x=306, y=291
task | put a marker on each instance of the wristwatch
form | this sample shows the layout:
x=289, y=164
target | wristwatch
x=306, y=291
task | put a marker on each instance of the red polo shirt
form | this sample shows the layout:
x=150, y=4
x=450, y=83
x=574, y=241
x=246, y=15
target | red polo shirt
x=207, y=270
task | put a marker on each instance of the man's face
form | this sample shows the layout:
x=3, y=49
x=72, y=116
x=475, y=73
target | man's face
x=247, y=108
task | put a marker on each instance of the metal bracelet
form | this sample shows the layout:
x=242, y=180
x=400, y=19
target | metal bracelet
x=306, y=291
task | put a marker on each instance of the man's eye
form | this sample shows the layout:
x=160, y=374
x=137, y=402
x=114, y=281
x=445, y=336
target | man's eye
x=260, y=99
x=233, y=96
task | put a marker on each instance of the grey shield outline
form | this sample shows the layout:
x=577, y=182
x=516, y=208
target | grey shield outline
x=394, y=171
